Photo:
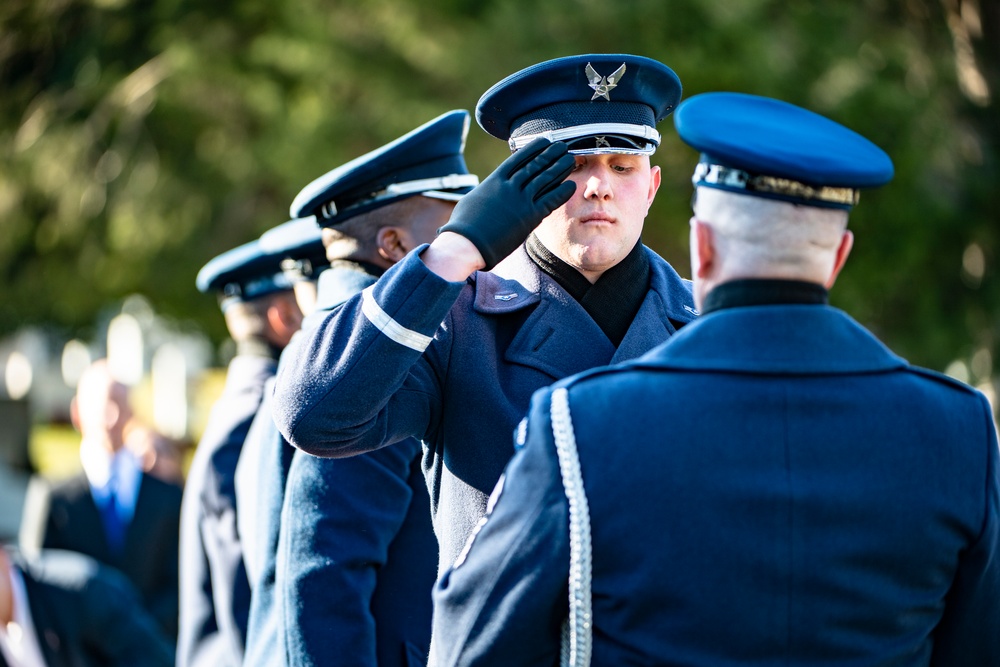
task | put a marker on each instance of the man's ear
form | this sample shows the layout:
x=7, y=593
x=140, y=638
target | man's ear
x=393, y=243
x=843, y=250
x=704, y=256
x=655, y=176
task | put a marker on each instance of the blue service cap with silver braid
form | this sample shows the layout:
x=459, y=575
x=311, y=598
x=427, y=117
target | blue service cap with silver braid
x=244, y=273
x=597, y=103
x=300, y=241
x=769, y=148
x=427, y=161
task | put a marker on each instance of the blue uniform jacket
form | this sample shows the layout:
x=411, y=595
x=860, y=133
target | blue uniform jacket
x=490, y=343
x=214, y=590
x=771, y=487
x=351, y=563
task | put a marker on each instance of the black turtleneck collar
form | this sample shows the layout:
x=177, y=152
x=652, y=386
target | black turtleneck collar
x=763, y=292
x=257, y=346
x=613, y=301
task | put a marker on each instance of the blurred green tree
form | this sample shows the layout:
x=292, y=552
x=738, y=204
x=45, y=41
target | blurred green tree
x=142, y=137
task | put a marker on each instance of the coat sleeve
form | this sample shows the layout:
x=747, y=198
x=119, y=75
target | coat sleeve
x=371, y=349
x=505, y=599
x=339, y=518
x=968, y=632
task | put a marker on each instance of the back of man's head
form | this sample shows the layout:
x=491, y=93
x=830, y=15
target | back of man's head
x=384, y=235
x=769, y=238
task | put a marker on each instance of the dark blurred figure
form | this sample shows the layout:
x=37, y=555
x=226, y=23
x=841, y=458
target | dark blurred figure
x=112, y=511
x=261, y=316
x=63, y=609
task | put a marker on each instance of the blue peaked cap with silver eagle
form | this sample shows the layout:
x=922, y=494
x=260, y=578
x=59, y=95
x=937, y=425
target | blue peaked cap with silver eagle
x=427, y=161
x=769, y=148
x=597, y=103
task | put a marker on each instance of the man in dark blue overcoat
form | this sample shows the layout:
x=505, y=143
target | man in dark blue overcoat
x=346, y=574
x=772, y=486
x=261, y=316
x=540, y=273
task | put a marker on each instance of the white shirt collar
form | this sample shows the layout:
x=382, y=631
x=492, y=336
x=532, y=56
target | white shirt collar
x=98, y=464
x=18, y=639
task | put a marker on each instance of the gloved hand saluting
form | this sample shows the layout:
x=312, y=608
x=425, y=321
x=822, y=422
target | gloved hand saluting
x=500, y=213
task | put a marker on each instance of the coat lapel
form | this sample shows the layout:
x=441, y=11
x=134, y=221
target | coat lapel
x=558, y=337
x=649, y=328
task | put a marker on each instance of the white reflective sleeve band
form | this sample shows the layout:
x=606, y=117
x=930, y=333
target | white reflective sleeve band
x=644, y=131
x=577, y=635
x=390, y=327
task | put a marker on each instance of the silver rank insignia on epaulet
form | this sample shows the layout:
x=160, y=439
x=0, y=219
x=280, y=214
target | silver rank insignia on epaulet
x=603, y=85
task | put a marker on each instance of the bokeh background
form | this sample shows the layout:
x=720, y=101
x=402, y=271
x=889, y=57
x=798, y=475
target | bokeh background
x=140, y=138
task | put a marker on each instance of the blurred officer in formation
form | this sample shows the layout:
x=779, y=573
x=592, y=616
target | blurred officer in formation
x=112, y=511
x=450, y=343
x=356, y=557
x=301, y=238
x=797, y=494
x=63, y=609
x=261, y=315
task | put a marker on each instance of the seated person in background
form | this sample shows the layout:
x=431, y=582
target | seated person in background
x=63, y=609
x=112, y=511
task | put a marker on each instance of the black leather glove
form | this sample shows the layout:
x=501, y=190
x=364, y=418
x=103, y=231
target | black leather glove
x=500, y=213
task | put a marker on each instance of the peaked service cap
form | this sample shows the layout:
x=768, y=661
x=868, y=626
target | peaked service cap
x=427, y=161
x=244, y=273
x=769, y=148
x=596, y=103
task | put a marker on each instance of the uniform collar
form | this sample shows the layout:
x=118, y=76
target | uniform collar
x=104, y=470
x=342, y=280
x=257, y=346
x=763, y=292
x=557, y=336
x=784, y=339
x=613, y=300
